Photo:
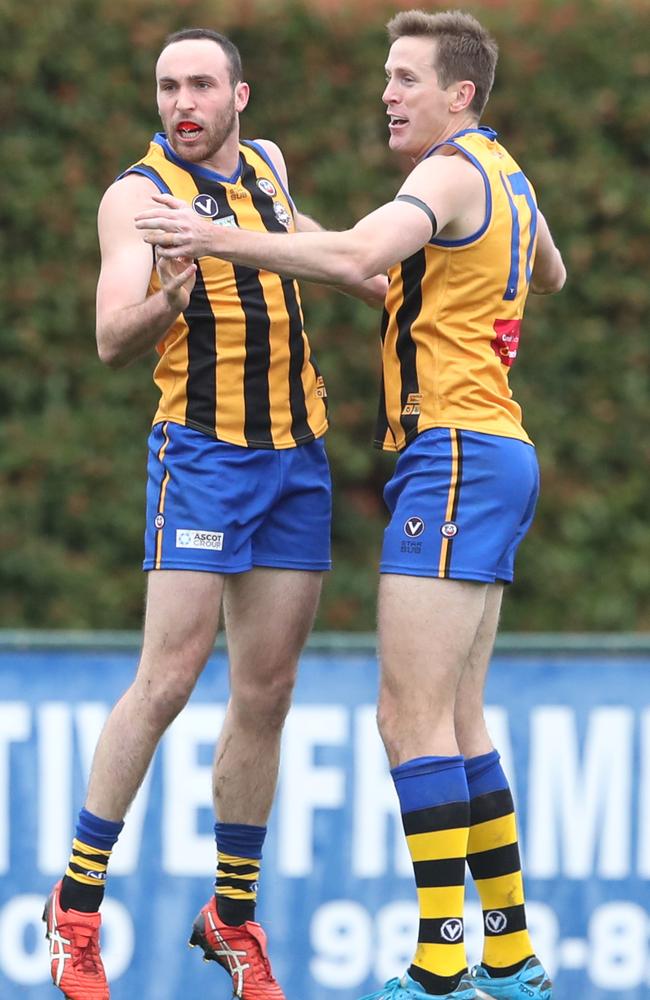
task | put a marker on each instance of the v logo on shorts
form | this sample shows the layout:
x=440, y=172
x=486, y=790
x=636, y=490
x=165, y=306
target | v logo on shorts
x=413, y=526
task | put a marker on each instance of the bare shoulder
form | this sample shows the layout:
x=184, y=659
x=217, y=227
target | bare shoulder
x=126, y=196
x=122, y=201
x=442, y=169
x=274, y=153
x=454, y=191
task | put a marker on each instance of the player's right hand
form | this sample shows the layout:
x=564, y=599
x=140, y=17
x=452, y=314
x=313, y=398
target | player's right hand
x=177, y=277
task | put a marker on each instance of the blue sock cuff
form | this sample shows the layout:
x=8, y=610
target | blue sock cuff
x=485, y=774
x=430, y=781
x=240, y=839
x=97, y=832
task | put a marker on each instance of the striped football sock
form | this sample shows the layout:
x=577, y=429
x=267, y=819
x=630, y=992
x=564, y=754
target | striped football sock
x=493, y=858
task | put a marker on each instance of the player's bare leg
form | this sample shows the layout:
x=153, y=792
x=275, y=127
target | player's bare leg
x=268, y=615
x=180, y=628
x=427, y=629
x=509, y=968
x=469, y=721
x=180, y=625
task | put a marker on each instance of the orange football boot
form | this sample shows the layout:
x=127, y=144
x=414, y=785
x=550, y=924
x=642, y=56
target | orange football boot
x=240, y=950
x=73, y=938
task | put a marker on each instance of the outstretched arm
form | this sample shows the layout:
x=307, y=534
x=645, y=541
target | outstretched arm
x=438, y=190
x=129, y=322
x=372, y=291
x=382, y=238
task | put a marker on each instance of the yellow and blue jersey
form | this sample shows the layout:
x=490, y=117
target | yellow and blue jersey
x=453, y=313
x=237, y=364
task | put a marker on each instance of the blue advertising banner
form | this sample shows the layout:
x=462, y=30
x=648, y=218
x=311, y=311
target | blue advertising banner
x=337, y=896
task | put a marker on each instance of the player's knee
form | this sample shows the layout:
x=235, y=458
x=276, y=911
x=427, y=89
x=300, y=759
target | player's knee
x=167, y=697
x=388, y=723
x=266, y=702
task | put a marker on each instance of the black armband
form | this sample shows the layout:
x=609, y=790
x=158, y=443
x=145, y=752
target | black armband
x=425, y=208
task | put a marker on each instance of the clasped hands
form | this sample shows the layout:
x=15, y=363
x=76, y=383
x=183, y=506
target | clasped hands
x=175, y=229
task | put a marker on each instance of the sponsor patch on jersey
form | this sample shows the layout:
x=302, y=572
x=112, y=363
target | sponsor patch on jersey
x=281, y=214
x=228, y=220
x=193, y=538
x=265, y=185
x=412, y=406
x=159, y=521
x=205, y=205
x=506, y=343
x=449, y=529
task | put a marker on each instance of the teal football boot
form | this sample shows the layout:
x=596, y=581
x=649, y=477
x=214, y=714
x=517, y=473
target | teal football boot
x=530, y=983
x=407, y=989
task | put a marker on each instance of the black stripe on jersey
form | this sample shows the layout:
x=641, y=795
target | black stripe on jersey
x=449, y=816
x=263, y=203
x=381, y=425
x=203, y=332
x=201, y=359
x=495, y=862
x=445, y=872
x=413, y=269
x=257, y=405
x=300, y=429
x=454, y=506
x=492, y=805
x=515, y=920
x=257, y=397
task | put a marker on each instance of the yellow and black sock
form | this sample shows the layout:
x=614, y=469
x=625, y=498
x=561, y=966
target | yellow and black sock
x=239, y=858
x=435, y=813
x=83, y=884
x=493, y=858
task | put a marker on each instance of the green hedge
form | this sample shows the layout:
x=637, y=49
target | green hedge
x=77, y=103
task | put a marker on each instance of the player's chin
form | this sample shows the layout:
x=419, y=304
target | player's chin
x=192, y=152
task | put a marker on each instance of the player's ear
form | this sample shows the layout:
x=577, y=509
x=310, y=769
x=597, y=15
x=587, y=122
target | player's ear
x=461, y=95
x=242, y=93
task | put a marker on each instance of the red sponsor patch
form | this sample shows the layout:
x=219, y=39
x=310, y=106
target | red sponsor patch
x=506, y=343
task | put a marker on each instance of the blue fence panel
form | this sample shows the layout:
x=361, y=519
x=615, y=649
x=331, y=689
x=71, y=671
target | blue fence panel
x=337, y=896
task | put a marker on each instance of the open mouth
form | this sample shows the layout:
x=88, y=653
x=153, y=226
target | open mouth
x=188, y=130
x=395, y=122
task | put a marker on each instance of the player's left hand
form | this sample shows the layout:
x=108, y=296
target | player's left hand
x=175, y=229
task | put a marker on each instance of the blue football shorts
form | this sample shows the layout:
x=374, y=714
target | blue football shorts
x=460, y=504
x=221, y=508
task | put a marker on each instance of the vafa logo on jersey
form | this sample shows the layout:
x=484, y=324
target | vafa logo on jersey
x=205, y=205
